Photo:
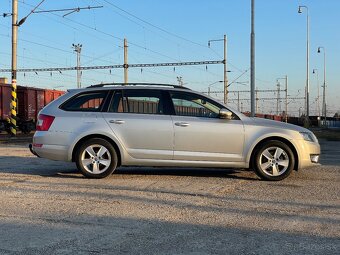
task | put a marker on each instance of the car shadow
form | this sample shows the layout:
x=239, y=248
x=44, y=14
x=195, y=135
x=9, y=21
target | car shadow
x=189, y=172
x=58, y=169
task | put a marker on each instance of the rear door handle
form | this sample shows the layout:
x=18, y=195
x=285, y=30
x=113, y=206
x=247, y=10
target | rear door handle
x=117, y=121
x=182, y=124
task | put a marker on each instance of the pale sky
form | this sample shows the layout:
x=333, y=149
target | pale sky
x=178, y=30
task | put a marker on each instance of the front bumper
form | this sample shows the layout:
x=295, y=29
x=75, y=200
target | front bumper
x=309, y=153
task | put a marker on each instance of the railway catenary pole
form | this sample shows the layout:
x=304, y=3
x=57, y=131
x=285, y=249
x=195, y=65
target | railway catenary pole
x=77, y=49
x=324, y=110
x=225, y=79
x=286, y=95
x=307, y=63
x=14, y=106
x=15, y=25
x=125, y=61
x=278, y=98
x=286, y=106
x=256, y=102
x=252, y=60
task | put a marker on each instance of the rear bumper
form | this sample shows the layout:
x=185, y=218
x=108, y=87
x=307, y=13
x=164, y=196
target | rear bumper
x=54, y=152
x=50, y=145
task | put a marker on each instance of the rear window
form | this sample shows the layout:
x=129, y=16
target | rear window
x=86, y=102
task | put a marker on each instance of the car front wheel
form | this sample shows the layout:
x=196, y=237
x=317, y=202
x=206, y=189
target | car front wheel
x=274, y=161
x=96, y=158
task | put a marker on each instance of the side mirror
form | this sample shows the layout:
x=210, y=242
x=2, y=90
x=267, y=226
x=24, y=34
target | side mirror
x=225, y=114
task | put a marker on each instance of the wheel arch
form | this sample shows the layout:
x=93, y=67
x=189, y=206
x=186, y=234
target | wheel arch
x=274, y=138
x=110, y=140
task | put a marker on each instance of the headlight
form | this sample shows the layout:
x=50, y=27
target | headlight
x=307, y=136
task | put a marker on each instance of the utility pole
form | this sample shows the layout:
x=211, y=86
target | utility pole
x=307, y=81
x=286, y=95
x=225, y=77
x=15, y=25
x=307, y=60
x=257, y=102
x=181, y=83
x=324, y=110
x=316, y=71
x=286, y=89
x=125, y=61
x=13, y=121
x=238, y=100
x=77, y=49
x=252, y=60
x=278, y=98
x=299, y=112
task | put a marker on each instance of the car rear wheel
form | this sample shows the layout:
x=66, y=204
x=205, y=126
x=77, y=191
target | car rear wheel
x=96, y=158
x=274, y=161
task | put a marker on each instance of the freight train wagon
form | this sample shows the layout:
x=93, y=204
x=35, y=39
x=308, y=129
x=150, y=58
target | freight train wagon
x=30, y=102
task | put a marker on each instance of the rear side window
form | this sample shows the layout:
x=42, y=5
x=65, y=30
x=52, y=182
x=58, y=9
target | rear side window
x=86, y=102
x=137, y=101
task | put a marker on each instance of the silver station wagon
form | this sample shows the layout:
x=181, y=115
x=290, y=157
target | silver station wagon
x=106, y=126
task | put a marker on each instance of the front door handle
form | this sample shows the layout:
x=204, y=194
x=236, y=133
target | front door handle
x=117, y=121
x=182, y=124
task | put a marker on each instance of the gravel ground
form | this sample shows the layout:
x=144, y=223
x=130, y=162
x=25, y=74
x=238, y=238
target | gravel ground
x=47, y=207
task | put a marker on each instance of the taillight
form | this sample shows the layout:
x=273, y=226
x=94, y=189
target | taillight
x=44, y=122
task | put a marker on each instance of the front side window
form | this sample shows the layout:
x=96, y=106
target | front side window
x=188, y=104
x=137, y=101
x=86, y=102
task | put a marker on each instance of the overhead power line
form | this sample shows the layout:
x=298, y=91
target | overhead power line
x=246, y=91
x=121, y=39
x=108, y=34
x=51, y=69
x=55, y=48
x=266, y=98
x=152, y=25
x=70, y=10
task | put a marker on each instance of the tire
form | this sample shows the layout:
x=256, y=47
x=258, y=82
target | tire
x=96, y=158
x=274, y=161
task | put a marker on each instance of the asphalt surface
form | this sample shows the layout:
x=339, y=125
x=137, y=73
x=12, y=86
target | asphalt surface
x=47, y=207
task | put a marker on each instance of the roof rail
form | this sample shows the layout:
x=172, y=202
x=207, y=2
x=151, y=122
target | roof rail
x=137, y=84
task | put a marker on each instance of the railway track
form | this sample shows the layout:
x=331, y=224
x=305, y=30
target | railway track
x=20, y=138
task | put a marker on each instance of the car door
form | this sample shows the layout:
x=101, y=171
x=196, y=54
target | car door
x=138, y=119
x=200, y=134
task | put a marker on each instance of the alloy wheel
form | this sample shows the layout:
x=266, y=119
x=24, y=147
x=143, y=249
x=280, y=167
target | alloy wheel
x=96, y=159
x=274, y=161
